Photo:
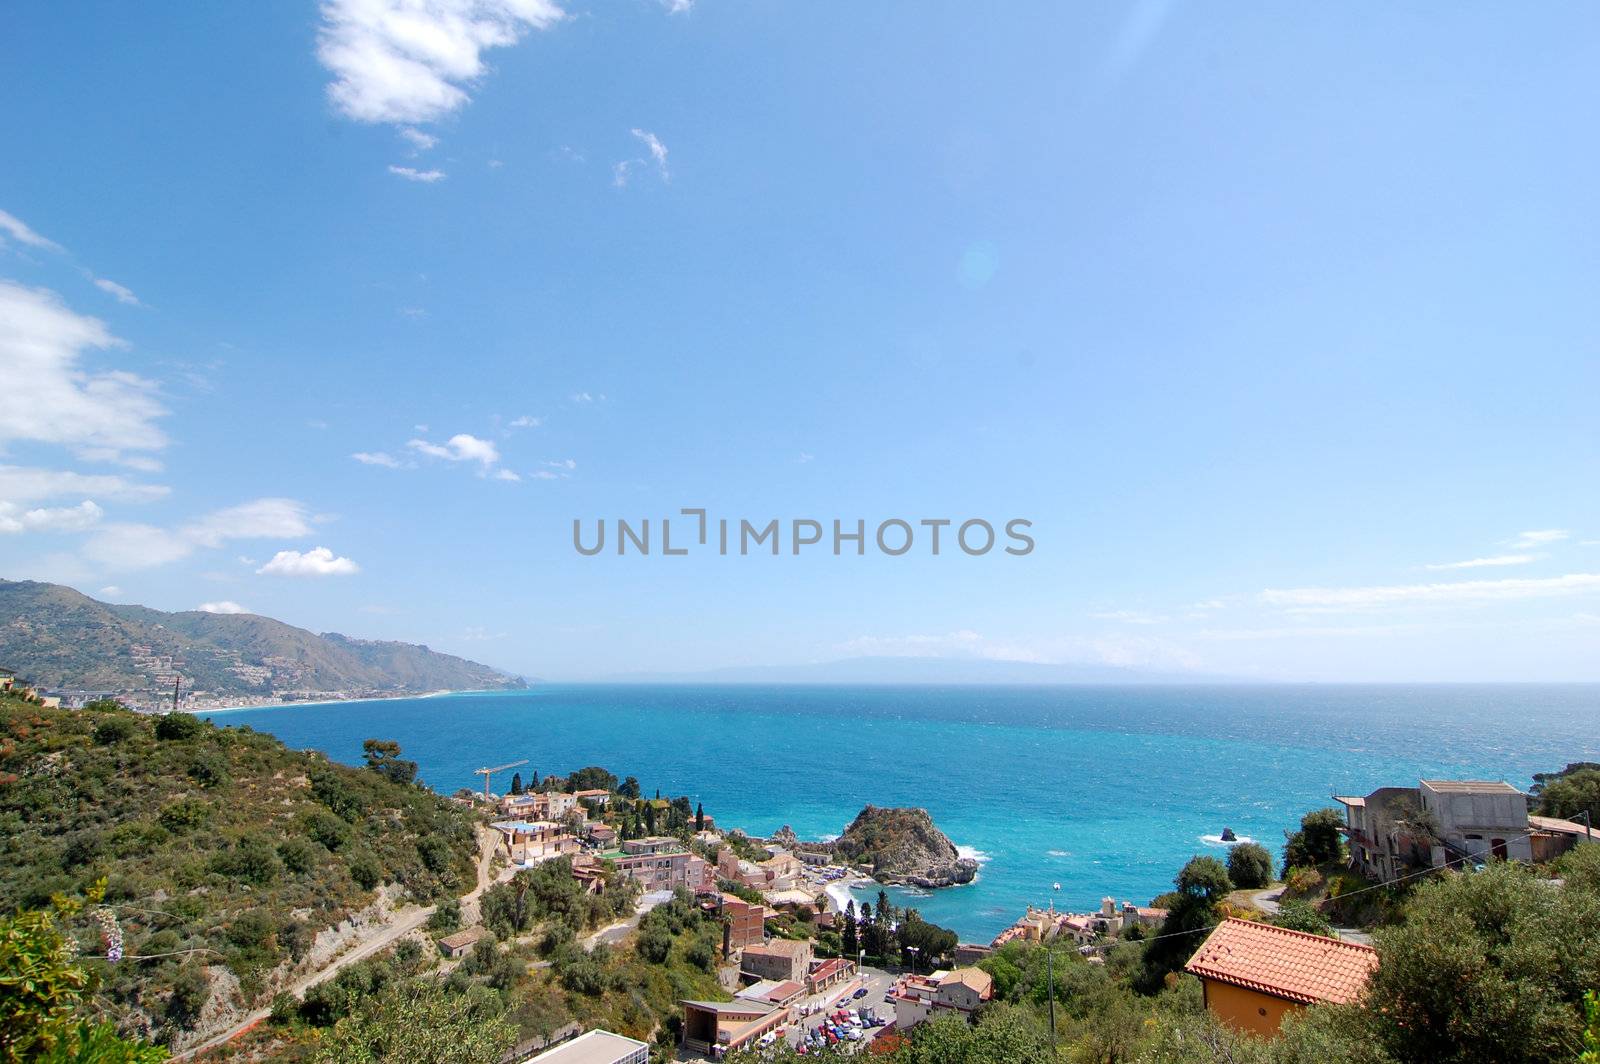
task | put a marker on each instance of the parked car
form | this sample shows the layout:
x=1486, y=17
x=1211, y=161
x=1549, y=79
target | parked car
x=863, y=992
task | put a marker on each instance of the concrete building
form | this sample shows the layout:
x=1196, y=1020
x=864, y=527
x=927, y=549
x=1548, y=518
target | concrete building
x=1479, y=819
x=716, y=1027
x=1253, y=974
x=595, y=795
x=530, y=842
x=595, y=1047
x=653, y=844
x=829, y=972
x=665, y=871
x=782, y=959
x=745, y=923
x=918, y=997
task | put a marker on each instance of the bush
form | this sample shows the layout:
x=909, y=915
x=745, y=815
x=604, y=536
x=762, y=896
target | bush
x=178, y=726
x=114, y=730
x=1298, y=916
x=185, y=814
x=251, y=858
x=366, y=871
x=1250, y=865
x=297, y=855
x=327, y=829
x=208, y=769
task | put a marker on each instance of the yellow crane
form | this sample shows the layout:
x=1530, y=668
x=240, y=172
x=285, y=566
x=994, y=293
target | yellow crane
x=487, y=772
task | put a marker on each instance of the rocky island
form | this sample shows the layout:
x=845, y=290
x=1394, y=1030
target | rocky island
x=902, y=847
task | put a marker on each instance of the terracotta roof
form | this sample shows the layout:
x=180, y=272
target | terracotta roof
x=1286, y=964
x=976, y=978
x=782, y=947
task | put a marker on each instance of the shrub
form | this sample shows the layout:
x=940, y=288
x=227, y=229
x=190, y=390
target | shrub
x=1250, y=865
x=185, y=814
x=208, y=769
x=251, y=858
x=366, y=871
x=178, y=726
x=114, y=730
x=297, y=855
x=327, y=829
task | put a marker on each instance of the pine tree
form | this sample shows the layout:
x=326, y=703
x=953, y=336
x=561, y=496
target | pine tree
x=850, y=937
x=699, y=817
x=516, y=783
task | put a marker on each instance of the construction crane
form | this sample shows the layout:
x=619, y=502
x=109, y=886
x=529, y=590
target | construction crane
x=487, y=772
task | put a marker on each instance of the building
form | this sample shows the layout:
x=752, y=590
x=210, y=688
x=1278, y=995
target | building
x=1253, y=974
x=1395, y=831
x=595, y=1047
x=529, y=842
x=653, y=844
x=1553, y=836
x=600, y=835
x=782, y=959
x=829, y=972
x=7, y=678
x=773, y=992
x=461, y=942
x=665, y=871
x=744, y=924
x=1478, y=819
x=918, y=997
x=545, y=806
x=968, y=953
x=715, y=1027
x=595, y=795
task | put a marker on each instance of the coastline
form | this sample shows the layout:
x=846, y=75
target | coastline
x=325, y=702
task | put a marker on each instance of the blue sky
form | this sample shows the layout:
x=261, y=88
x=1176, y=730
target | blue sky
x=1278, y=325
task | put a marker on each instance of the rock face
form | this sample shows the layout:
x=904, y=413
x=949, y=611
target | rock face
x=901, y=846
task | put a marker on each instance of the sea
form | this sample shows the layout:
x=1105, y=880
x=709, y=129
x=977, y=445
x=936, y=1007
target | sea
x=1064, y=794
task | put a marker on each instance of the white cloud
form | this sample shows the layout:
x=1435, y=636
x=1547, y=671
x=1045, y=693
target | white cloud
x=224, y=606
x=526, y=422
x=111, y=590
x=17, y=229
x=678, y=7
x=58, y=519
x=427, y=177
x=581, y=397
x=318, y=561
x=378, y=458
x=505, y=474
x=1321, y=599
x=51, y=398
x=1131, y=617
x=562, y=463
x=141, y=546
x=119, y=292
x=1540, y=538
x=419, y=141
x=1482, y=563
x=24, y=484
x=410, y=61
x=258, y=519
x=462, y=447
x=805, y=456
x=545, y=474
x=622, y=171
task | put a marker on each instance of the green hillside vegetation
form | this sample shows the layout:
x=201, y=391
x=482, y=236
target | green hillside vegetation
x=221, y=850
x=59, y=638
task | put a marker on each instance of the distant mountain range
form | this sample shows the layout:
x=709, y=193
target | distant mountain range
x=61, y=639
x=914, y=670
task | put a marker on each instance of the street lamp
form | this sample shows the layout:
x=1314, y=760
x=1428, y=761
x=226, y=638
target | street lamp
x=913, y=950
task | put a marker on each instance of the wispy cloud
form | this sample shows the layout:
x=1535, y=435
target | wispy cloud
x=26, y=484
x=128, y=546
x=1540, y=538
x=419, y=141
x=378, y=458
x=318, y=561
x=408, y=62
x=225, y=606
x=1323, y=599
x=427, y=177
x=1484, y=563
x=50, y=398
x=1131, y=617
x=16, y=229
x=622, y=171
x=119, y=292
x=526, y=422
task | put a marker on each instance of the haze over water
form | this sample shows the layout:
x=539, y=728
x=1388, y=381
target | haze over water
x=1104, y=790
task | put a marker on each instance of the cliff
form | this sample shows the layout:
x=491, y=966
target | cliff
x=902, y=846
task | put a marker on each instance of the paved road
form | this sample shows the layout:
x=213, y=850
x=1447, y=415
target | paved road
x=877, y=983
x=1270, y=901
x=405, y=922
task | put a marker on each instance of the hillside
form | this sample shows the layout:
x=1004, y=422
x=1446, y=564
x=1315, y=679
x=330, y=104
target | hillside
x=231, y=863
x=61, y=639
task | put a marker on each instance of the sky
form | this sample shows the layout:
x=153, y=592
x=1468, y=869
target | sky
x=1279, y=327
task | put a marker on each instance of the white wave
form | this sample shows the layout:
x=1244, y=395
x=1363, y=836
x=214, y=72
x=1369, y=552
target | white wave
x=1058, y=853
x=1218, y=840
x=972, y=853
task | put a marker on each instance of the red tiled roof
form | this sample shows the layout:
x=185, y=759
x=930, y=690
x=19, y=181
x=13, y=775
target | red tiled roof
x=1286, y=964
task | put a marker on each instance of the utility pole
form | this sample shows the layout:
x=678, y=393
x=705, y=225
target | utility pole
x=176, y=682
x=1050, y=974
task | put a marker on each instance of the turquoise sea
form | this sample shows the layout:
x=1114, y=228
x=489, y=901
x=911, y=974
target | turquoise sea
x=1104, y=790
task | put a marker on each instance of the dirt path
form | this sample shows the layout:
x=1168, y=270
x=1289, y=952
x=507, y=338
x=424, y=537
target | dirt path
x=405, y=922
